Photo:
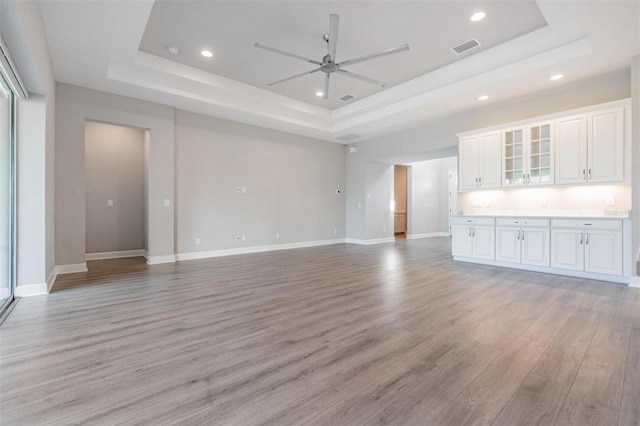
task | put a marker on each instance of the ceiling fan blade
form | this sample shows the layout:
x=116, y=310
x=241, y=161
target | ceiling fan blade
x=362, y=78
x=294, y=76
x=374, y=56
x=325, y=93
x=334, y=20
x=282, y=52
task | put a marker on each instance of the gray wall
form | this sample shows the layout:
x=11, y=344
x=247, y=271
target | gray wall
x=290, y=182
x=114, y=170
x=76, y=105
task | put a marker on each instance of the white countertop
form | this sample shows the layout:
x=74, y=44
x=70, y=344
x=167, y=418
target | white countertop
x=568, y=214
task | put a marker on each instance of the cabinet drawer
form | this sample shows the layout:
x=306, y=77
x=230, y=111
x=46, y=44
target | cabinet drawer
x=608, y=224
x=522, y=222
x=462, y=220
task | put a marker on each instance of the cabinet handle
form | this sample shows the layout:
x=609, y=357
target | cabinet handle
x=518, y=237
x=469, y=231
x=581, y=238
x=480, y=181
x=584, y=174
x=589, y=174
x=528, y=178
x=522, y=238
x=586, y=241
x=473, y=231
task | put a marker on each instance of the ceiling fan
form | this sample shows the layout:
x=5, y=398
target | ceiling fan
x=328, y=65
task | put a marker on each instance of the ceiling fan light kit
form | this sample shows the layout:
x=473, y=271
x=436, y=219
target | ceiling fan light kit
x=328, y=65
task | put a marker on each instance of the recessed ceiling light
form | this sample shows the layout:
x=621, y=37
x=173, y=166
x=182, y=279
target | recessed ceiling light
x=556, y=77
x=206, y=53
x=174, y=50
x=319, y=93
x=478, y=16
x=483, y=98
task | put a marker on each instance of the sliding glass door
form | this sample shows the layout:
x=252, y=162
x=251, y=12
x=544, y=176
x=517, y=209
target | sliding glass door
x=6, y=193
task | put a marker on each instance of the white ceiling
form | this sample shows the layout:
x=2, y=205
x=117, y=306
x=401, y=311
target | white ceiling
x=120, y=47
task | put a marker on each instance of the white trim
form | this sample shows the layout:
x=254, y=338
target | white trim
x=371, y=241
x=427, y=235
x=71, y=269
x=52, y=279
x=634, y=282
x=29, y=290
x=256, y=249
x=156, y=260
x=114, y=254
x=546, y=270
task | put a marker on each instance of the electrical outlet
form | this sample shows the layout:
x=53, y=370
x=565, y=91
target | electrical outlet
x=369, y=195
x=197, y=241
x=359, y=205
x=244, y=237
x=610, y=201
x=335, y=231
x=277, y=235
x=542, y=202
x=109, y=203
x=244, y=189
x=167, y=203
x=384, y=229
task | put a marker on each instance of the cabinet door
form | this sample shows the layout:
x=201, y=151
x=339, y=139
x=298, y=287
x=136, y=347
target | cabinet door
x=535, y=246
x=567, y=249
x=461, y=240
x=489, y=160
x=508, y=244
x=513, y=157
x=468, y=163
x=603, y=252
x=571, y=150
x=540, y=154
x=483, y=242
x=606, y=146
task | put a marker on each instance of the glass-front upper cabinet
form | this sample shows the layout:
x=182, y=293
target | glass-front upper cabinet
x=513, y=150
x=527, y=155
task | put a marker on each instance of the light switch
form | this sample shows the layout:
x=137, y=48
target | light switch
x=542, y=202
x=167, y=203
x=109, y=203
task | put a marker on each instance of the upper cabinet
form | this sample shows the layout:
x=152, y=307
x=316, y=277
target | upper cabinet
x=590, y=147
x=527, y=155
x=587, y=146
x=479, y=161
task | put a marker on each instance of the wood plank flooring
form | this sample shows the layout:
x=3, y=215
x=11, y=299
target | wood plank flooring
x=394, y=333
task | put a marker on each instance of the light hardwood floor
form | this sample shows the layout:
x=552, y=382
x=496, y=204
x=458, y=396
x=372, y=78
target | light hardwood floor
x=337, y=335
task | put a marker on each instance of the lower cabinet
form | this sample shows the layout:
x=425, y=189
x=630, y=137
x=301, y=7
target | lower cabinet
x=524, y=241
x=473, y=237
x=590, y=246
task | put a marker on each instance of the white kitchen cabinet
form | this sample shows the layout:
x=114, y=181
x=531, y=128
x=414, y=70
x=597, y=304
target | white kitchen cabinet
x=473, y=237
x=479, y=161
x=527, y=155
x=524, y=241
x=590, y=147
x=591, y=246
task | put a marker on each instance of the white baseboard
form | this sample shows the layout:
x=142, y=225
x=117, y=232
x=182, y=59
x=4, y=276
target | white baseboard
x=52, y=279
x=371, y=241
x=256, y=249
x=29, y=290
x=157, y=260
x=634, y=282
x=114, y=254
x=71, y=269
x=427, y=235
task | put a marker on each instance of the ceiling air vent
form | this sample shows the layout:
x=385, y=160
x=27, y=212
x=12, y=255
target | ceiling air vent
x=467, y=45
x=349, y=137
x=346, y=98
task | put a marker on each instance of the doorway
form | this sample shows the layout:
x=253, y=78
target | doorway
x=116, y=183
x=453, y=195
x=400, y=191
